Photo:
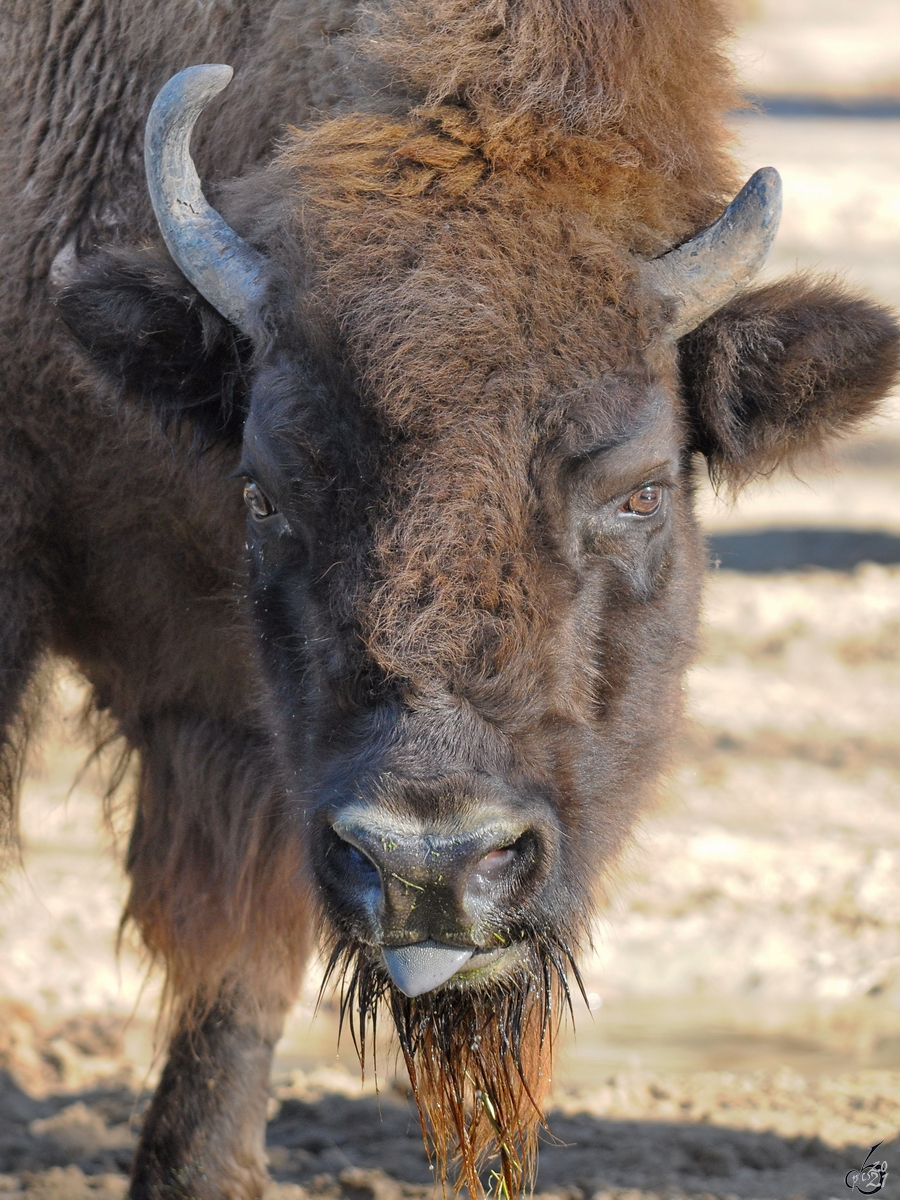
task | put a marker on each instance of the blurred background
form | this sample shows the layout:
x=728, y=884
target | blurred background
x=747, y=974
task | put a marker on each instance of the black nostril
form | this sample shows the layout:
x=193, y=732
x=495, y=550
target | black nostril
x=351, y=863
x=351, y=881
x=496, y=864
x=359, y=861
x=503, y=867
x=356, y=857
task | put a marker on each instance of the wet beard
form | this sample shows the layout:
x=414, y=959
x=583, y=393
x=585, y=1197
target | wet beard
x=478, y=1057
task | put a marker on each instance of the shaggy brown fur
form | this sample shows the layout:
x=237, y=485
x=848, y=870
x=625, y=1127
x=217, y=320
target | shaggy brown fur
x=767, y=376
x=479, y=1066
x=460, y=379
x=576, y=88
x=215, y=888
x=488, y=295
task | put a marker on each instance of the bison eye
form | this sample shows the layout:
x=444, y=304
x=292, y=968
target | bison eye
x=257, y=501
x=645, y=502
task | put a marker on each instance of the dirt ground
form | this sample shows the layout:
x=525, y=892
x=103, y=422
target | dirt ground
x=743, y=1038
x=637, y=1134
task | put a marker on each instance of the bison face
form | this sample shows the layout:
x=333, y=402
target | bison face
x=467, y=420
x=474, y=647
x=474, y=644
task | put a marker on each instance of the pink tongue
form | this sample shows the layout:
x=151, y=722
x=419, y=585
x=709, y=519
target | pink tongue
x=423, y=966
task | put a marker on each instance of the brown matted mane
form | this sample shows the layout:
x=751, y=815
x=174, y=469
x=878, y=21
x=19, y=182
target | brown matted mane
x=624, y=98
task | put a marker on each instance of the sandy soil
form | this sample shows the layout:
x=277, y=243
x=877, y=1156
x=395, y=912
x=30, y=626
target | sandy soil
x=744, y=1038
x=699, y=1135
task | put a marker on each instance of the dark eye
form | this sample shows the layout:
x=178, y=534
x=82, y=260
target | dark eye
x=257, y=501
x=644, y=503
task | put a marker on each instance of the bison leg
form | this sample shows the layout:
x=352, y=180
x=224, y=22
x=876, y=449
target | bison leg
x=204, y=1135
x=25, y=565
x=19, y=655
x=217, y=895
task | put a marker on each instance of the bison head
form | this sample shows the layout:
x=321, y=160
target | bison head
x=466, y=414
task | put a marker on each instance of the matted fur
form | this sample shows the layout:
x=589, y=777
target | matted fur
x=478, y=1059
x=552, y=142
x=623, y=98
x=465, y=360
x=219, y=892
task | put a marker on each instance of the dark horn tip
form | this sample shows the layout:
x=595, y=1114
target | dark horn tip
x=208, y=78
x=763, y=185
x=768, y=176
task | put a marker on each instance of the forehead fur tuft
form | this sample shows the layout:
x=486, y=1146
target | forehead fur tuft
x=622, y=98
x=470, y=248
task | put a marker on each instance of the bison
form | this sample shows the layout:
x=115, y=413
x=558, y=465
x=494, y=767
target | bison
x=361, y=496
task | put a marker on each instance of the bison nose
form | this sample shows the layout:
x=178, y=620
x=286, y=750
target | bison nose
x=427, y=895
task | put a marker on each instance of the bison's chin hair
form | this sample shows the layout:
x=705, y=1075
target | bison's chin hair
x=478, y=1056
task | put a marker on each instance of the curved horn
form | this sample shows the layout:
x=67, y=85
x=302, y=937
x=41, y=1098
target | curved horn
x=220, y=265
x=714, y=266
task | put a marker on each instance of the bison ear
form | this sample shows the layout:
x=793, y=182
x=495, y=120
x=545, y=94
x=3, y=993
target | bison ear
x=782, y=368
x=153, y=337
